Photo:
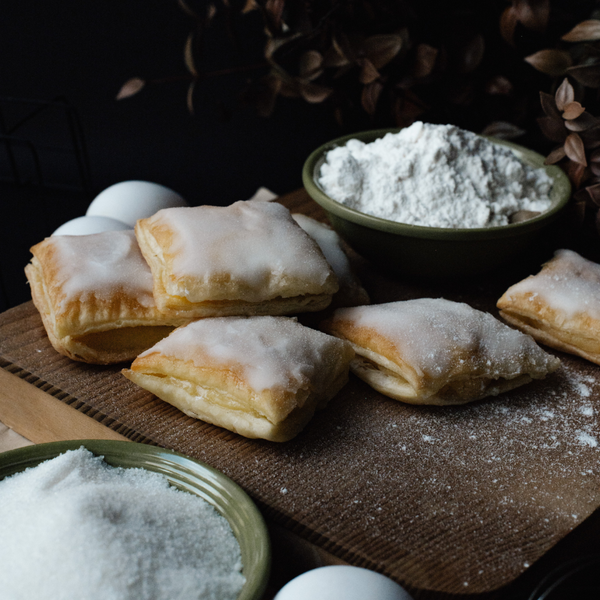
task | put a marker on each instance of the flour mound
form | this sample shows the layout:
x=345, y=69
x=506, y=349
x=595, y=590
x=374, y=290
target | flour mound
x=434, y=176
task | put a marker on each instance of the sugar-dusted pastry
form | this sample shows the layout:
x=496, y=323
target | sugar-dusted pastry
x=560, y=306
x=351, y=292
x=261, y=377
x=249, y=258
x=435, y=351
x=94, y=294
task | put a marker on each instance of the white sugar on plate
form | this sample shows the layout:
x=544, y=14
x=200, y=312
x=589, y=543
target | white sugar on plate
x=75, y=527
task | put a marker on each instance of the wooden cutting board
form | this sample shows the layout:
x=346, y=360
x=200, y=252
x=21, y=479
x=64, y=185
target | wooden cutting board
x=449, y=500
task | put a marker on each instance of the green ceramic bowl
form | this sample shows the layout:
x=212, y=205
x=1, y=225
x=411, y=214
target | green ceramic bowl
x=439, y=253
x=184, y=473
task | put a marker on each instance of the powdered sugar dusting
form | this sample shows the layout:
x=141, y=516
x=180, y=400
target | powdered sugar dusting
x=435, y=176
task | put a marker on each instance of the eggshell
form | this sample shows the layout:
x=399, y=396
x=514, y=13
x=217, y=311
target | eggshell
x=341, y=582
x=86, y=225
x=129, y=201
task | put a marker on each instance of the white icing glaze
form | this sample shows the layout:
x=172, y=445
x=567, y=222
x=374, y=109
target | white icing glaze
x=101, y=263
x=438, y=336
x=570, y=284
x=269, y=352
x=330, y=244
x=255, y=244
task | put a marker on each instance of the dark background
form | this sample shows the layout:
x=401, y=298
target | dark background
x=76, y=56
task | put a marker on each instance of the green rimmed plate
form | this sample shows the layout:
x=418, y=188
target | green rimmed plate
x=185, y=473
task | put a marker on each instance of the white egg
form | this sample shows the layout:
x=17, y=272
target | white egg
x=129, y=201
x=342, y=582
x=86, y=225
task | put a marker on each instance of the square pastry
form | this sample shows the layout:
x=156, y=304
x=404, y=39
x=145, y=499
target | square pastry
x=560, y=306
x=249, y=258
x=260, y=377
x=94, y=294
x=435, y=351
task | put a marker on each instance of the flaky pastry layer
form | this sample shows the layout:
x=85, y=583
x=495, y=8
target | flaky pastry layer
x=261, y=377
x=560, y=306
x=433, y=351
x=94, y=294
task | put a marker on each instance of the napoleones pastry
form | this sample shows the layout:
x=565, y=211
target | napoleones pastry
x=249, y=258
x=260, y=377
x=559, y=306
x=94, y=294
x=351, y=292
x=435, y=351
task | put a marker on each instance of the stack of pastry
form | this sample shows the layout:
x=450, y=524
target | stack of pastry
x=109, y=297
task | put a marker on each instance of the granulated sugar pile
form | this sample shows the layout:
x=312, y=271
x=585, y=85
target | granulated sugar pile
x=74, y=527
x=434, y=176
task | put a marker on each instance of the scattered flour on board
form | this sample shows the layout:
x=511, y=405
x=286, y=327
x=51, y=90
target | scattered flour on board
x=434, y=176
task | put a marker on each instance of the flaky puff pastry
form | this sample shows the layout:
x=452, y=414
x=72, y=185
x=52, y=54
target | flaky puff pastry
x=351, y=291
x=560, y=306
x=249, y=258
x=434, y=351
x=94, y=294
x=260, y=377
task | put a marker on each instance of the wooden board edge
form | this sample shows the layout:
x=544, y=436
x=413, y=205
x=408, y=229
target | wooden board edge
x=40, y=417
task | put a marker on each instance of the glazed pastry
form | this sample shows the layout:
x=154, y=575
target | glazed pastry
x=351, y=292
x=94, y=294
x=249, y=258
x=260, y=377
x=434, y=351
x=560, y=306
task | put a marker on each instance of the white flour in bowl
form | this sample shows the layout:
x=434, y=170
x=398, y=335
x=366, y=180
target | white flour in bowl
x=434, y=176
x=75, y=527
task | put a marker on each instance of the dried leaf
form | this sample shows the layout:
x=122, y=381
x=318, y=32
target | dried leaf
x=190, y=97
x=130, y=88
x=555, y=156
x=314, y=93
x=368, y=72
x=424, y=61
x=564, y=94
x=380, y=49
x=334, y=56
x=249, y=6
x=499, y=86
x=553, y=129
x=586, y=31
x=274, y=9
x=188, y=55
x=594, y=193
x=550, y=61
x=508, y=22
x=503, y=130
x=575, y=149
x=211, y=11
x=369, y=97
x=472, y=54
x=186, y=8
x=572, y=110
x=575, y=172
x=549, y=107
x=311, y=65
x=582, y=123
x=587, y=75
x=533, y=14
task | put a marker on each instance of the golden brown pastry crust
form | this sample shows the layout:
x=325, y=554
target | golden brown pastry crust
x=260, y=377
x=560, y=306
x=89, y=313
x=249, y=258
x=433, y=351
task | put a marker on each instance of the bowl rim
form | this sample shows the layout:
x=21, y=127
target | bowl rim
x=168, y=463
x=316, y=157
